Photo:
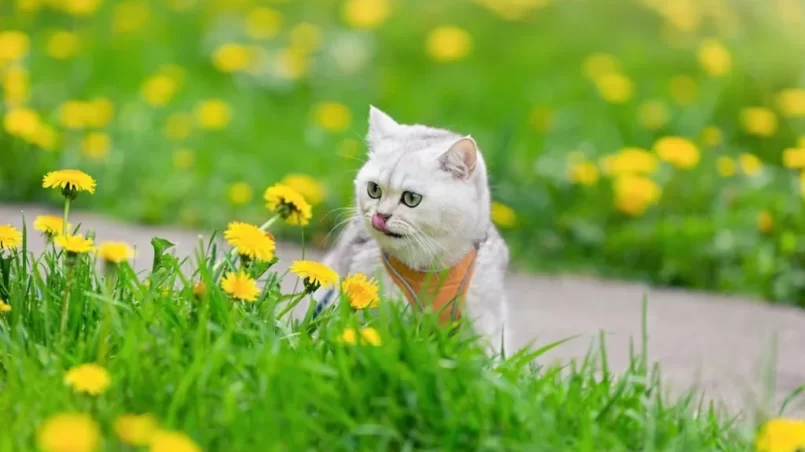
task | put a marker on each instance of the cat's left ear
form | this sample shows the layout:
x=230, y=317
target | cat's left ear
x=461, y=158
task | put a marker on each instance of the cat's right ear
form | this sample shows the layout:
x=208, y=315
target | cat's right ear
x=380, y=124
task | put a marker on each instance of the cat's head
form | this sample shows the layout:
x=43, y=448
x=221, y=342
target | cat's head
x=423, y=192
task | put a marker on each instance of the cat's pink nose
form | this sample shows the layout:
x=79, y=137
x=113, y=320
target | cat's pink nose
x=379, y=221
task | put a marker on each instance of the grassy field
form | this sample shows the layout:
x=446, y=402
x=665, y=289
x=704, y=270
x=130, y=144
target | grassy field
x=660, y=140
x=96, y=357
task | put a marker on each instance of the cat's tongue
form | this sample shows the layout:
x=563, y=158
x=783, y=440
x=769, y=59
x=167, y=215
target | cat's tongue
x=379, y=223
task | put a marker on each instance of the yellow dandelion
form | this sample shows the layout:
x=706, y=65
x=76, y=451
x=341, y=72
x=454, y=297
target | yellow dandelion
x=305, y=37
x=315, y=274
x=88, y=378
x=652, y=115
x=711, y=136
x=503, y=215
x=263, y=23
x=199, y=289
x=51, y=225
x=448, y=43
x=726, y=166
x=10, y=237
x=615, y=88
x=714, y=58
x=759, y=121
x=75, y=244
x=100, y=112
x=115, y=252
x=684, y=89
x=81, y=7
x=130, y=16
x=765, y=222
x=16, y=86
x=69, y=432
x=332, y=116
x=178, y=126
x=21, y=122
x=73, y=114
x=96, y=145
x=231, y=57
x=361, y=291
x=213, y=114
x=292, y=63
x=794, y=158
x=70, y=181
x=172, y=441
x=368, y=335
x=289, y=204
x=136, y=429
x=14, y=45
x=158, y=90
x=365, y=14
x=634, y=193
x=45, y=137
x=61, y=45
x=583, y=173
x=801, y=142
x=183, y=158
x=680, y=152
x=310, y=188
x=792, y=102
x=4, y=307
x=781, y=435
x=630, y=160
x=240, y=286
x=240, y=193
x=250, y=241
x=750, y=164
x=600, y=64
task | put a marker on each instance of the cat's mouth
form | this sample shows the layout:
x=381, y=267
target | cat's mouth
x=392, y=234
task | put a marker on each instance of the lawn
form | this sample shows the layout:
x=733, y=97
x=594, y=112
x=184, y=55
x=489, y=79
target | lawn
x=184, y=358
x=658, y=140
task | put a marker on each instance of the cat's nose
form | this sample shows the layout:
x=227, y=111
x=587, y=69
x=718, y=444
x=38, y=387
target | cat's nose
x=379, y=221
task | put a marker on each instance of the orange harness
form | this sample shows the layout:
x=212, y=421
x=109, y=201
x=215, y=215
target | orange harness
x=443, y=292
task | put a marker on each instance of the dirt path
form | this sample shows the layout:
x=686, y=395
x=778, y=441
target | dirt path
x=724, y=345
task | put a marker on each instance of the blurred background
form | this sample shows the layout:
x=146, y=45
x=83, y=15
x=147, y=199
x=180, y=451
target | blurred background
x=660, y=140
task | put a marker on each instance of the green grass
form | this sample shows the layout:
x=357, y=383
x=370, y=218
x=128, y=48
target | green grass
x=702, y=233
x=238, y=376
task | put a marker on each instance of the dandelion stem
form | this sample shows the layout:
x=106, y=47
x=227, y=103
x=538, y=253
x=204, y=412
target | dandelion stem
x=231, y=252
x=109, y=280
x=291, y=304
x=66, y=214
x=65, y=307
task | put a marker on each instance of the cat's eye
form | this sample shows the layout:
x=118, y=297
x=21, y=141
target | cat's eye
x=373, y=190
x=411, y=199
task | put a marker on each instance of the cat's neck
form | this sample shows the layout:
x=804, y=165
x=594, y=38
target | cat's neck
x=436, y=257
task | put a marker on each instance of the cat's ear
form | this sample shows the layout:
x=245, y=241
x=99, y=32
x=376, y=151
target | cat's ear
x=380, y=124
x=461, y=158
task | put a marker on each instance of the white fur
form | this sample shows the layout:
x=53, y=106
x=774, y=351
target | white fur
x=449, y=172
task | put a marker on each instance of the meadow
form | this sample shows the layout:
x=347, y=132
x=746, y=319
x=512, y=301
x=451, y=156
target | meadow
x=94, y=356
x=660, y=140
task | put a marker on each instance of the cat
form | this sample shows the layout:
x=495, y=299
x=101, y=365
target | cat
x=422, y=203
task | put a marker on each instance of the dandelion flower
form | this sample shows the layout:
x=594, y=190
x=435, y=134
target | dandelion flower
x=361, y=291
x=4, y=307
x=136, y=429
x=213, y=114
x=714, y=58
x=115, y=252
x=70, y=181
x=780, y=434
x=305, y=37
x=240, y=193
x=199, y=289
x=652, y=115
x=711, y=136
x=289, y=204
x=240, y=286
x=365, y=14
x=794, y=158
x=310, y=188
x=448, y=43
x=21, y=122
x=263, y=23
x=680, y=152
x=792, y=102
x=96, y=145
x=332, y=116
x=635, y=193
x=51, y=225
x=61, y=45
x=69, y=432
x=158, y=90
x=726, y=166
x=584, y=173
x=503, y=215
x=172, y=441
x=250, y=241
x=765, y=222
x=10, y=237
x=599, y=64
x=759, y=121
x=615, y=88
x=13, y=45
x=74, y=244
x=88, y=378
x=314, y=274
x=367, y=335
x=630, y=160
x=750, y=164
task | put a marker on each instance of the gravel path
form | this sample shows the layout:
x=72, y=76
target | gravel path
x=723, y=345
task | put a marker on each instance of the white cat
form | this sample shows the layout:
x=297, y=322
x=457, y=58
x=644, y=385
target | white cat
x=422, y=203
